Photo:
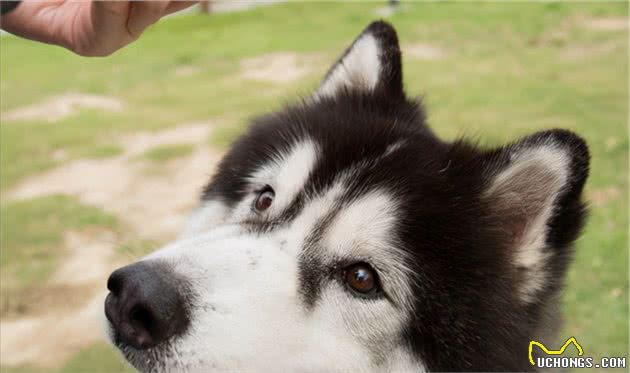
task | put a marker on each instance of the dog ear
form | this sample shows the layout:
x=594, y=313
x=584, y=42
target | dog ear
x=534, y=194
x=371, y=64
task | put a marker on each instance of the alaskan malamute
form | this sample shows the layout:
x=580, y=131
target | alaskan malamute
x=341, y=235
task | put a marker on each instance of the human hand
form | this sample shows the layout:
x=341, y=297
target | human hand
x=88, y=28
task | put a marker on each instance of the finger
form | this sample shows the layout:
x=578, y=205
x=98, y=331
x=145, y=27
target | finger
x=143, y=14
x=176, y=6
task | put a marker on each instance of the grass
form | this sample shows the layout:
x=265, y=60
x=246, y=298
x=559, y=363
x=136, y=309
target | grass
x=134, y=249
x=166, y=153
x=98, y=358
x=509, y=70
x=31, y=233
x=101, y=151
x=32, y=230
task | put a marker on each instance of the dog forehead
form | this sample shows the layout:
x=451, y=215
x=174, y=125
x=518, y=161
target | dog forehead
x=364, y=223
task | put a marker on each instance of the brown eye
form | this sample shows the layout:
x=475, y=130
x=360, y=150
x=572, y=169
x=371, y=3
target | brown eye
x=361, y=278
x=264, y=199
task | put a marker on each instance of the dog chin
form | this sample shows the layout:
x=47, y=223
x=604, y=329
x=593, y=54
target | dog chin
x=148, y=360
x=145, y=360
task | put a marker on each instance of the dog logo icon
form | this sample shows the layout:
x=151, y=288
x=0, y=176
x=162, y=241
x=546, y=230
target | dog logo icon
x=554, y=352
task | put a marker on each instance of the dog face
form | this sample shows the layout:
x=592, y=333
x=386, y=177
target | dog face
x=340, y=234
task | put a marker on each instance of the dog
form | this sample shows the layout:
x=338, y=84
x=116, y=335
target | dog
x=340, y=234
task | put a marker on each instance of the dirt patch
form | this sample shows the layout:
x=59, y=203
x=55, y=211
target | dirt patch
x=50, y=340
x=88, y=259
x=601, y=197
x=154, y=205
x=611, y=143
x=606, y=24
x=64, y=315
x=560, y=37
x=187, y=70
x=279, y=68
x=423, y=51
x=60, y=155
x=560, y=34
x=192, y=133
x=42, y=299
x=87, y=263
x=574, y=52
x=62, y=106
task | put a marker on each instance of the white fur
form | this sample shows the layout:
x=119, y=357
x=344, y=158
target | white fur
x=360, y=68
x=366, y=229
x=210, y=214
x=286, y=174
x=314, y=211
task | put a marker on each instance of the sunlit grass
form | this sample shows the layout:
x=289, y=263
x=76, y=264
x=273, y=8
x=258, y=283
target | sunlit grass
x=165, y=153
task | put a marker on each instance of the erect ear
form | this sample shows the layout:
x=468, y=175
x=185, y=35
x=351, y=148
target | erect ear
x=534, y=193
x=371, y=63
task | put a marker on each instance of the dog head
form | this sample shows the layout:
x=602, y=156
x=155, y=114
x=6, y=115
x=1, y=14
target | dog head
x=340, y=234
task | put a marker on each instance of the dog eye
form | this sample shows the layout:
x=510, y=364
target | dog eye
x=264, y=199
x=361, y=278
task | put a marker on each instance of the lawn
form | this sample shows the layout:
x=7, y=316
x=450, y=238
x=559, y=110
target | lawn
x=498, y=71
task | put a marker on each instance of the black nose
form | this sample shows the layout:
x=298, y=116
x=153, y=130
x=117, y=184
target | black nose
x=146, y=304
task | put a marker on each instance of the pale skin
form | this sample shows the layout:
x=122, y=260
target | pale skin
x=87, y=28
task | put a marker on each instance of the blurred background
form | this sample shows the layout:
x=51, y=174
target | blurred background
x=101, y=158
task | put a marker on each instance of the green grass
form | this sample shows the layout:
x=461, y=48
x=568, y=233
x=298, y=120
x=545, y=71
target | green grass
x=509, y=70
x=165, y=153
x=101, y=151
x=134, y=249
x=98, y=358
x=30, y=241
x=31, y=233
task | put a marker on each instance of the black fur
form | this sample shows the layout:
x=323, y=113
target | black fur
x=467, y=316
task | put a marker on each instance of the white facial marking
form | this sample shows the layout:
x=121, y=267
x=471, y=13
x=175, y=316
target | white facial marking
x=360, y=68
x=287, y=173
x=315, y=210
x=365, y=230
